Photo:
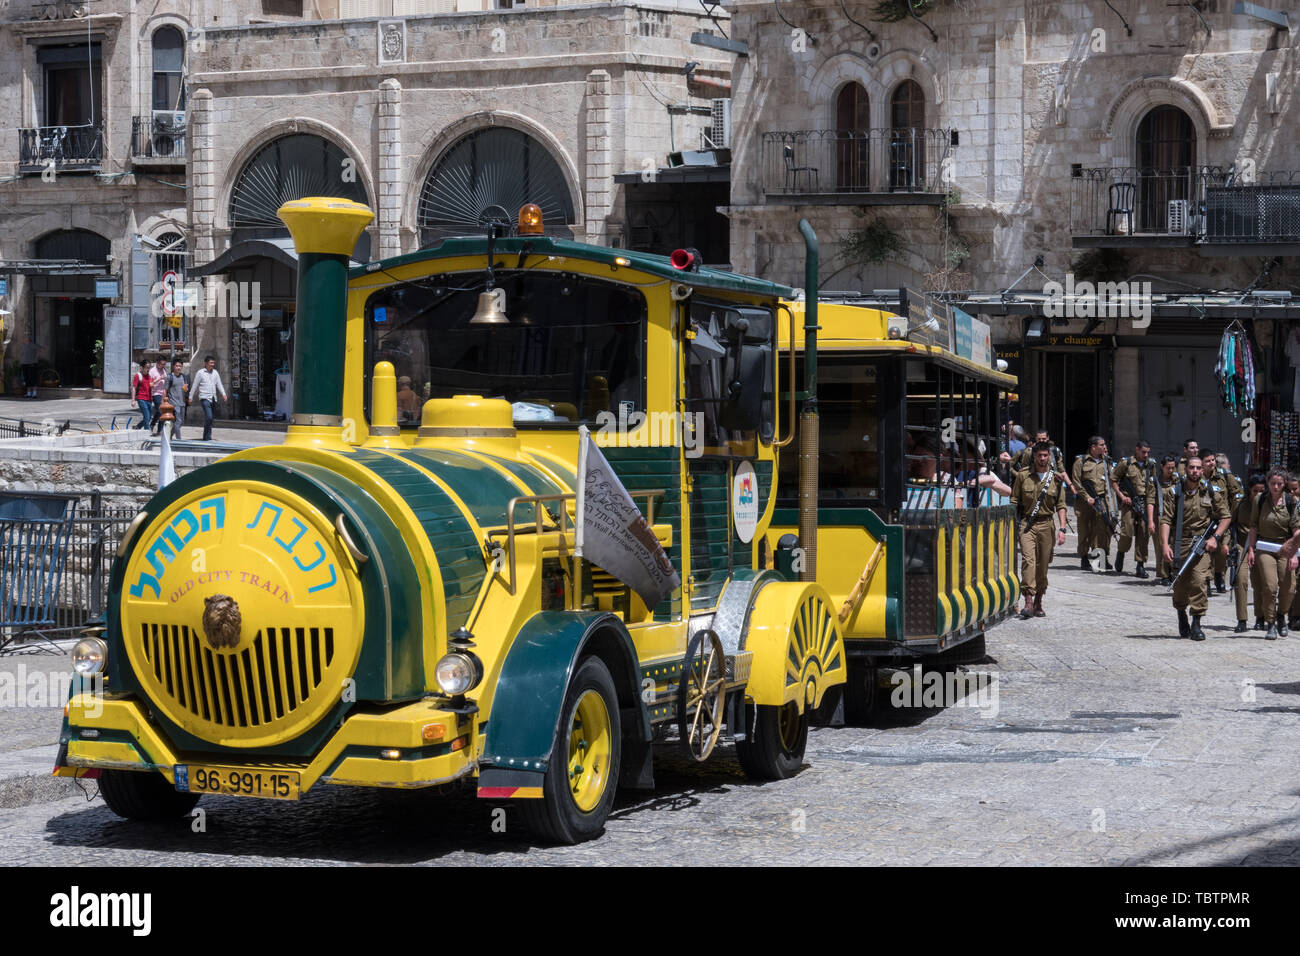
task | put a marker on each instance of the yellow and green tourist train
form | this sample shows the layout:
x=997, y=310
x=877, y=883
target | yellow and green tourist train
x=916, y=550
x=391, y=598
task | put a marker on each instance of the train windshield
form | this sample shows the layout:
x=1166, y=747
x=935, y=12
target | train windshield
x=571, y=348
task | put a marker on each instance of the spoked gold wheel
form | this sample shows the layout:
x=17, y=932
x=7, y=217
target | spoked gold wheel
x=589, y=751
x=702, y=695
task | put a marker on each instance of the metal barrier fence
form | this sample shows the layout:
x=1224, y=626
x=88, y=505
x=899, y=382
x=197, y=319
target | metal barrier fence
x=22, y=428
x=101, y=518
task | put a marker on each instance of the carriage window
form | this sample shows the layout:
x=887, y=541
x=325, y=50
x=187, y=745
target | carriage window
x=729, y=378
x=848, y=401
x=572, y=347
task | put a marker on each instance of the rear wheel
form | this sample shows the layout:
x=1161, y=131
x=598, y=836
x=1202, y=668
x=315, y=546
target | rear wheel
x=582, y=775
x=860, y=695
x=775, y=745
x=144, y=796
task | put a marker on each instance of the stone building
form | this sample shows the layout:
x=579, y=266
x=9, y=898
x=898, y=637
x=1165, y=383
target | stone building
x=93, y=174
x=442, y=124
x=992, y=146
x=151, y=146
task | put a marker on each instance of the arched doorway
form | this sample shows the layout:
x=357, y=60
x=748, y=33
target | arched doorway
x=852, y=132
x=1166, y=161
x=907, y=137
x=69, y=317
x=485, y=176
x=261, y=265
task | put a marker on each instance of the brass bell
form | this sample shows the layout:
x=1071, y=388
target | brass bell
x=491, y=308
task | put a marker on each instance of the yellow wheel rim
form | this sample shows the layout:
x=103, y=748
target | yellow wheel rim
x=788, y=726
x=590, y=748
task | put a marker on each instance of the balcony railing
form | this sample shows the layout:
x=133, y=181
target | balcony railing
x=822, y=161
x=1208, y=204
x=69, y=147
x=158, y=136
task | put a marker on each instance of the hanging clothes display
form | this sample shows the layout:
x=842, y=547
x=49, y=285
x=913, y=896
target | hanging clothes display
x=1235, y=371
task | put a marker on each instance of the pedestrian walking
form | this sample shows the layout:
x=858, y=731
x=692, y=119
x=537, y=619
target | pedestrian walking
x=30, y=355
x=1092, y=509
x=1190, y=508
x=1129, y=479
x=207, y=386
x=1039, y=497
x=178, y=390
x=157, y=388
x=142, y=392
x=1274, y=536
x=1165, y=476
x=1247, y=575
x=1231, y=487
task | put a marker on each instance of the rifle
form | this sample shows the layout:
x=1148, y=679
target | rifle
x=1102, y=506
x=1139, y=512
x=1198, y=549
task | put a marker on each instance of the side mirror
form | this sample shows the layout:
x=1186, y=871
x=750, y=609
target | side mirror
x=742, y=410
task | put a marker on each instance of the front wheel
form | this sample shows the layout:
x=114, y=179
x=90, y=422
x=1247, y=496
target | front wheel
x=582, y=775
x=137, y=795
x=775, y=745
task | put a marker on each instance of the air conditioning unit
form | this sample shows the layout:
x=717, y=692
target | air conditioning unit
x=171, y=122
x=1177, y=220
x=720, y=132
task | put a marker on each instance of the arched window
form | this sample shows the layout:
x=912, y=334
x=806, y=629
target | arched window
x=1166, y=161
x=78, y=244
x=485, y=177
x=292, y=167
x=907, y=137
x=168, y=69
x=852, y=151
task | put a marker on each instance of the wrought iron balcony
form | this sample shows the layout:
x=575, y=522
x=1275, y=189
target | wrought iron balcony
x=1184, y=205
x=68, y=147
x=841, y=164
x=159, y=136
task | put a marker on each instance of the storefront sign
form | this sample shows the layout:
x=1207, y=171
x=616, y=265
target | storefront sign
x=117, y=349
x=4, y=285
x=973, y=338
x=106, y=289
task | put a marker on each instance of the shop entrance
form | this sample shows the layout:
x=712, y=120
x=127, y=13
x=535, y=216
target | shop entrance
x=1068, y=392
x=76, y=324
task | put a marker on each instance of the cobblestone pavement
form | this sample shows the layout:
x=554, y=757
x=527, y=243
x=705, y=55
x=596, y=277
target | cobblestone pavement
x=1113, y=742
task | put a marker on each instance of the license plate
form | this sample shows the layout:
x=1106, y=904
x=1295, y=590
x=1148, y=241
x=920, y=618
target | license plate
x=238, y=781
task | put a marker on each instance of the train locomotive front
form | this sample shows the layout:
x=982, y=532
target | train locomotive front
x=399, y=604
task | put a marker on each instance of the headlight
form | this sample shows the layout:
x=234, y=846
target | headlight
x=458, y=673
x=88, y=656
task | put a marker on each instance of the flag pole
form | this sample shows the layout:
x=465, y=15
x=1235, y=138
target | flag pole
x=166, y=465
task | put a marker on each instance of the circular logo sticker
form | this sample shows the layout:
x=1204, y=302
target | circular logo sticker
x=744, y=501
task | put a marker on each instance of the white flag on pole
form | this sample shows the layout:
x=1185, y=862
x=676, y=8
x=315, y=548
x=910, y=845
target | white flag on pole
x=610, y=530
x=166, y=466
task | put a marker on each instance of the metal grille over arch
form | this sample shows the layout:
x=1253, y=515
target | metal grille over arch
x=485, y=176
x=291, y=167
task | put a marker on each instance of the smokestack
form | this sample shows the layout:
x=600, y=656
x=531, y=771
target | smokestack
x=325, y=231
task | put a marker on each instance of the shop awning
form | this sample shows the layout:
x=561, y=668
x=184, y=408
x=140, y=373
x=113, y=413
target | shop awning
x=279, y=250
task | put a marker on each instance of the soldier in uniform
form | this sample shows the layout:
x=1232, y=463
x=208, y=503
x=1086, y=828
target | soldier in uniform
x=1130, y=478
x=1275, y=520
x=1091, y=478
x=1039, y=497
x=1189, y=508
x=1164, y=477
x=1218, y=474
x=1245, y=573
x=1190, y=450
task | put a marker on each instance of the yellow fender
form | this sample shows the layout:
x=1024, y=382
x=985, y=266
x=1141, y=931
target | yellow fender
x=797, y=645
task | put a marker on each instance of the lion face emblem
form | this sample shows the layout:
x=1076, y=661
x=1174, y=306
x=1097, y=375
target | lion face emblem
x=221, y=621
